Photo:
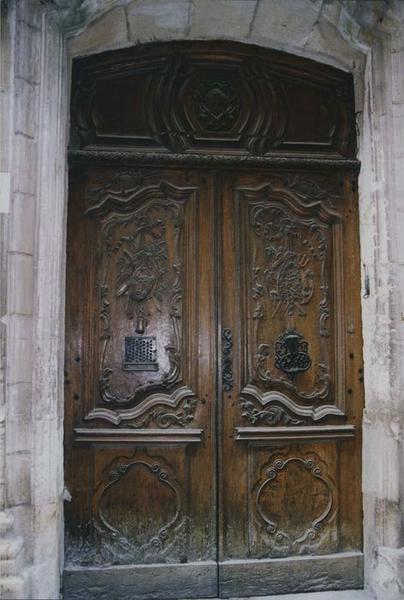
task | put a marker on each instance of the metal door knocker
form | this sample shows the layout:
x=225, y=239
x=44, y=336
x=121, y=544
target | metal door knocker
x=291, y=353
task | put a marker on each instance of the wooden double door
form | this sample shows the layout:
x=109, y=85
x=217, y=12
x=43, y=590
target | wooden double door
x=213, y=382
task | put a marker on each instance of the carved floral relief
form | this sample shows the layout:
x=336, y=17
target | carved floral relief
x=294, y=252
x=140, y=300
x=289, y=270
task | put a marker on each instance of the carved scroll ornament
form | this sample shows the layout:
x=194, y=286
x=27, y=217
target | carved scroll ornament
x=107, y=543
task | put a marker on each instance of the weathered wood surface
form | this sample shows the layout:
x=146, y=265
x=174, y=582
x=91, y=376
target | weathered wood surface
x=210, y=300
x=293, y=575
x=151, y=582
x=219, y=97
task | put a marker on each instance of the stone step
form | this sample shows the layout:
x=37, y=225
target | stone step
x=344, y=595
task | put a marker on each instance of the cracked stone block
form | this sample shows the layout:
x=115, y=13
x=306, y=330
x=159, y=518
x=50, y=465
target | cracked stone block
x=107, y=32
x=28, y=52
x=19, y=397
x=14, y=588
x=21, y=284
x=389, y=581
x=11, y=556
x=221, y=18
x=19, y=479
x=157, y=19
x=22, y=228
x=279, y=21
x=397, y=63
x=400, y=242
x=24, y=177
x=26, y=107
x=326, y=40
x=19, y=341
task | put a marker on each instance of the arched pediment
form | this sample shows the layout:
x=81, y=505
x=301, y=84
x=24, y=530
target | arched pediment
x=199, y=97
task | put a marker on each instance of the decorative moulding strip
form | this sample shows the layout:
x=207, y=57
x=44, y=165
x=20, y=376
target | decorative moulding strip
x=241, y=160
x=268, y=399
x=117, y=416
x=155, y=436
x=286, y=434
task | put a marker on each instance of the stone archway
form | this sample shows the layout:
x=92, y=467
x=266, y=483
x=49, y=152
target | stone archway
x=37, y=74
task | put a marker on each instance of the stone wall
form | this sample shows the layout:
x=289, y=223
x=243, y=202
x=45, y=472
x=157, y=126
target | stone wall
x=33, y=155
x=362, y=36
x=382, y=247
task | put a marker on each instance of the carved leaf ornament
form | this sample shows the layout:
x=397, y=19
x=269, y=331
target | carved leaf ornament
x=289, y=279
x=141, y=278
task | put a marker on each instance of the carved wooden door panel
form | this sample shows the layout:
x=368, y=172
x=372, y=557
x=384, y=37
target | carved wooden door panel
x=290, y=493
x=213, y=341
x=140, y=384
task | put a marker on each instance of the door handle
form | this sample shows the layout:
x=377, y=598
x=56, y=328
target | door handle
x=227, y=360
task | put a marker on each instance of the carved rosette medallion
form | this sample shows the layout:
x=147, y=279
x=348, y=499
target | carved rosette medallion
x=216, y=105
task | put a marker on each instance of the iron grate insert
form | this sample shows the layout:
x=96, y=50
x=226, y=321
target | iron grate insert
x=140, y=354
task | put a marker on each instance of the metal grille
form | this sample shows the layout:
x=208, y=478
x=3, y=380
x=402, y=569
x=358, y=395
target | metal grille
x=140, y=354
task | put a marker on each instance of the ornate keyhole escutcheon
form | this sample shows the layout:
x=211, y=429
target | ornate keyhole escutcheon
x=291, y=353
x=227, y=360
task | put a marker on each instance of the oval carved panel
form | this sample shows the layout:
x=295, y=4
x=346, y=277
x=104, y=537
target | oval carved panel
x=139, y=509
x=295, y=500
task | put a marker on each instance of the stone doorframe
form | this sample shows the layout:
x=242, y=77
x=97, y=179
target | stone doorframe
x=39, y=39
